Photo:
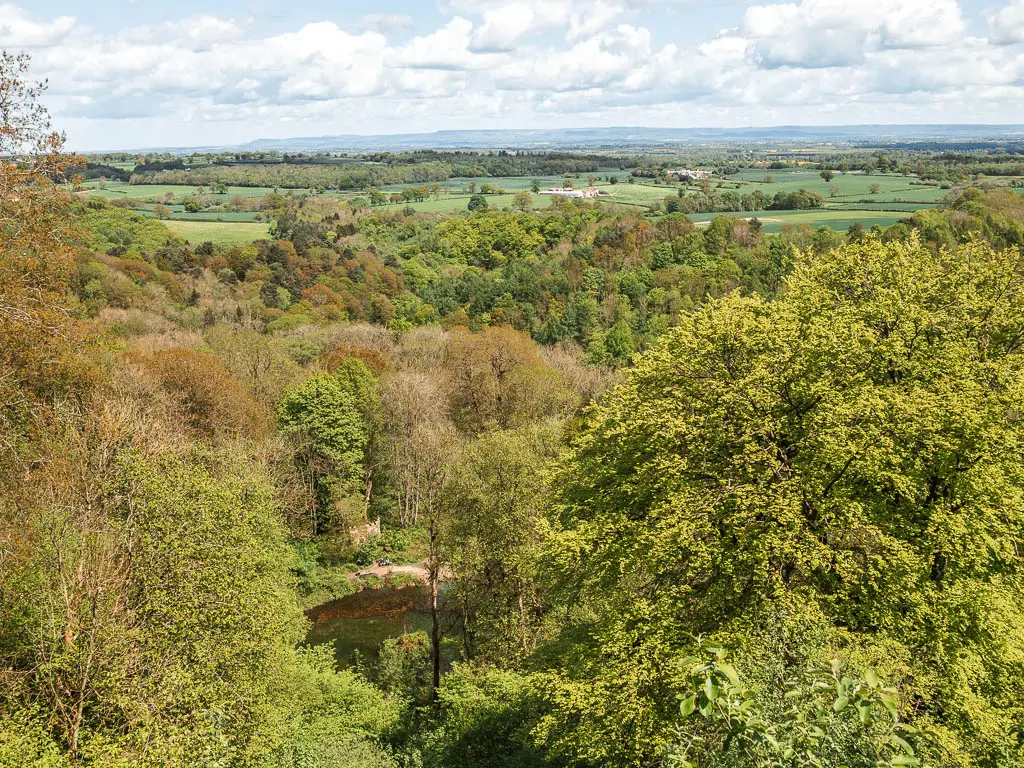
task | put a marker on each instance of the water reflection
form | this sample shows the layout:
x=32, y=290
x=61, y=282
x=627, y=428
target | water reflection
x=361, y=622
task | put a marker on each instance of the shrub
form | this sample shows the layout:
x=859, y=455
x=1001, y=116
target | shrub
x=288, y=322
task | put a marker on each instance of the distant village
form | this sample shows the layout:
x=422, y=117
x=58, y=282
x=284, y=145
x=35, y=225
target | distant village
x=679, y=174
x=685, y=174
x=589, y=192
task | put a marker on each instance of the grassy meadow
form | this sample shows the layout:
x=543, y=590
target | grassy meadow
x=112, y=190
x=226, y=233
x=773, y=221
x=892, y=188
x=455, y=203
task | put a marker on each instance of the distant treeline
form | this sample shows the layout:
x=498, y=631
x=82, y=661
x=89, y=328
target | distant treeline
x=715, y=201
x=374, y=170
x=346, y=172
x=100, y=171
x=292, y=176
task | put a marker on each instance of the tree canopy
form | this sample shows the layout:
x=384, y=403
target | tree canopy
x=843, y=463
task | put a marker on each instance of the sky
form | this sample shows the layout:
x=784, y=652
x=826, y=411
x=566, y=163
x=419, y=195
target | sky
x=127, y=74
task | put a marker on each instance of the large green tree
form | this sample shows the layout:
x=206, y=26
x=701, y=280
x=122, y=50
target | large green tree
x=838, y=472
x=327, y=415
x=496, y=502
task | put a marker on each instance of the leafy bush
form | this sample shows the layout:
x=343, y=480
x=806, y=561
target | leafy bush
x=336, y=719
x=484, y=719
x=401, y=545
x=403, y=666
x=834, y=718
x=25, y=742
x=400, y=579
x=288, y=323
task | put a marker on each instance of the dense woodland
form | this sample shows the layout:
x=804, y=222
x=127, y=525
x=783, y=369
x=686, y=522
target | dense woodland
x=699, y=496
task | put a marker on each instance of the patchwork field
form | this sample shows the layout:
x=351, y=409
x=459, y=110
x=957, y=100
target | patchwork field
x=854, y=201
x=891, y=187
x=230, y=233
x=180, y=214
x=518, y=183
x=642, y=194
x=113, y=190
x=454, y=203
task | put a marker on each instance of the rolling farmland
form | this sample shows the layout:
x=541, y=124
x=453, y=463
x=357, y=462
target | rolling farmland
x=849, y=198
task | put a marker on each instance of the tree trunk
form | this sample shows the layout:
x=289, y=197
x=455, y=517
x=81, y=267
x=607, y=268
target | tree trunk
x=366, y=500
x=435, y=635
x=522, y=619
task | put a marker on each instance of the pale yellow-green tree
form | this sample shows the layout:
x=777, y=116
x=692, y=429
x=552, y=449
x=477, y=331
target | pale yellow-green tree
x=835, y=472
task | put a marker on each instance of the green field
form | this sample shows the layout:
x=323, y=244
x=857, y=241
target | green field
x=851, y=185
x=514, y=183
x=179, y=214
x=229, y=233
x=637, y=194
x=773, y=221
x=456, y=203
x=903, y=207
x=852, y=188
x=854, y=202
x=113, y=190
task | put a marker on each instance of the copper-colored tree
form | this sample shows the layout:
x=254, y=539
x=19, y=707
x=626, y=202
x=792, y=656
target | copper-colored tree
x=37, y=354
x=498, y=378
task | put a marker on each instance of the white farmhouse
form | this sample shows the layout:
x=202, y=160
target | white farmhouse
x=688, y=174
x=589, y=192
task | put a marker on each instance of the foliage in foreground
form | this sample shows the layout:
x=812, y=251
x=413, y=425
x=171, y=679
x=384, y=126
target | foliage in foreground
x=840, y=468
x=819, y=718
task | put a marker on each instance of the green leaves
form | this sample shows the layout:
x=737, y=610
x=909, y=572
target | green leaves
x=871, y=678
x=904, y=760
x=328, y=415
x=839, y=458
x=710, y=689
x=829, y=713
x=730, y=673
x=688, y=705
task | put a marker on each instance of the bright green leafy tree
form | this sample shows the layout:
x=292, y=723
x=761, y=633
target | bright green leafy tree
x=324, y=414
x=844, y=463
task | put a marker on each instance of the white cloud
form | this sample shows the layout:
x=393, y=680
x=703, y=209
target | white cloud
x=1007, y=24
x=19, y=30
x=447, y=48
x=386, y=23
x=836, y=33
x=593, y=17
x=529, y=62
x=195, y=34
x=598, y=61
x=505, y=27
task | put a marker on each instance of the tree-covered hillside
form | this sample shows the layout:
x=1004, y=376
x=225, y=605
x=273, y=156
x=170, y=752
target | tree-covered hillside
x=666, y=493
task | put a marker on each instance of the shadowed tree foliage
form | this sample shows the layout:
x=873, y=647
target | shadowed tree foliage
x=499, y=379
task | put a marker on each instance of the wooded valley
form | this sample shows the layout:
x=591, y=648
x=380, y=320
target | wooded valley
x=673, y=493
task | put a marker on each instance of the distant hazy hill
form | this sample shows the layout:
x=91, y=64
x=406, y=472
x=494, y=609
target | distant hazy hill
x=594, y=138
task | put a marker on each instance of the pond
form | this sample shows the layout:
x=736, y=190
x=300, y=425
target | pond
x=361, y=622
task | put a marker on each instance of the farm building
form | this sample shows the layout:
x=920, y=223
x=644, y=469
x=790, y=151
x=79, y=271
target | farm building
x=571, y=192
x=686, y=173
